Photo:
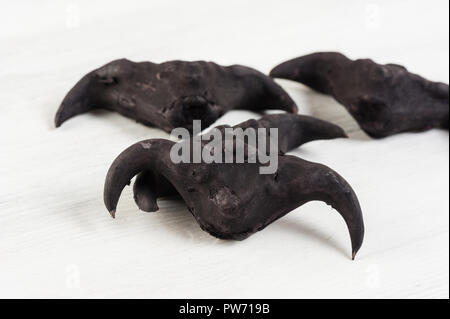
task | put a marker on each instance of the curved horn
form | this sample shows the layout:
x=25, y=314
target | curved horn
x=149, y=155
x=316, y=182
x=148, y=187
x=295, y=130
x=81, y=98
x=312, y=70
x=262, y=92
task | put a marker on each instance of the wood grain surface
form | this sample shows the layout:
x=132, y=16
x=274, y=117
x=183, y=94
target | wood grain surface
x=58, y=240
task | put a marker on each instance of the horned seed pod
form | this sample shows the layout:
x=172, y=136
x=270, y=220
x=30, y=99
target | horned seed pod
x=384, y=99
x=232, y=201
x=174, y=93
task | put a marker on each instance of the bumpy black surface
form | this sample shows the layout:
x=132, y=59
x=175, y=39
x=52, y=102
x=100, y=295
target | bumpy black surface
x=172, y=94
x=384, y=99
x=293, y=130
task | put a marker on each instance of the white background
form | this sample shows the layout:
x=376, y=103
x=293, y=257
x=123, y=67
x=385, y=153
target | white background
x=56, y=237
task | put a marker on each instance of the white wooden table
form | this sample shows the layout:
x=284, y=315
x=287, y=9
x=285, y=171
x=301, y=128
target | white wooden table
x=56, y=237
